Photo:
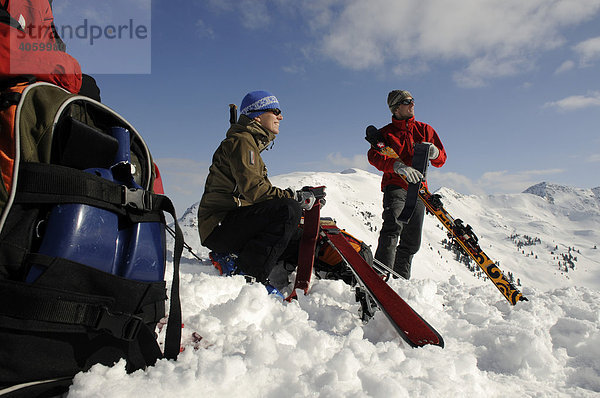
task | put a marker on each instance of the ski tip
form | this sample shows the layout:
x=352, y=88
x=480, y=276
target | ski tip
x=440, y=342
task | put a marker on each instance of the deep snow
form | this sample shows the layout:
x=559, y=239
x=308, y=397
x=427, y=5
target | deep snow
x=254, y=345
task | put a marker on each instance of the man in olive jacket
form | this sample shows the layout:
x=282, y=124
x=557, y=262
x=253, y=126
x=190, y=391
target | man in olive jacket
x=240, y=211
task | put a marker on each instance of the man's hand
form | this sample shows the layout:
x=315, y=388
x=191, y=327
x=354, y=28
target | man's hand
x=433, y=151
x=413, y=176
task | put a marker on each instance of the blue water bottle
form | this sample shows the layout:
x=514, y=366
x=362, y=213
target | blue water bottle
x=102, y=239
x=145, y=255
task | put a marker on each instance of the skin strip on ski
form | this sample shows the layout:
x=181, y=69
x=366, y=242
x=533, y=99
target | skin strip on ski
x=410, y=325
x=306, y=252
x=420, y=162
x=511, y=293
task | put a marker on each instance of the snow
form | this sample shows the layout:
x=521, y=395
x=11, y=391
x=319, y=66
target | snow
x=255, y=345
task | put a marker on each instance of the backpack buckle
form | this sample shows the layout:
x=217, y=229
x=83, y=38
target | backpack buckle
x=122, y=326
x=136, y=198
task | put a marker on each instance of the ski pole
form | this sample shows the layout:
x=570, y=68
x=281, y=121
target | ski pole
x=384, y=268
x=185, y=245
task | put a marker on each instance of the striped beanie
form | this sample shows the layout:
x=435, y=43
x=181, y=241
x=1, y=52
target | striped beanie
x=395, y=96
x=256, y=103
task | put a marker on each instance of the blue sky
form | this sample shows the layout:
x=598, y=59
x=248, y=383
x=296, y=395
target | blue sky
x=512, y=87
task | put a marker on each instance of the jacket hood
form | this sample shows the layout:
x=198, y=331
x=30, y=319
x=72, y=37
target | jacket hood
x=262, y=136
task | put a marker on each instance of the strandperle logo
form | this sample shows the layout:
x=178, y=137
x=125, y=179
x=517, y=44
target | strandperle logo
x=90, y=32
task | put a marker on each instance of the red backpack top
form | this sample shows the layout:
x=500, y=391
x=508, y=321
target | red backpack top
x=30, y=46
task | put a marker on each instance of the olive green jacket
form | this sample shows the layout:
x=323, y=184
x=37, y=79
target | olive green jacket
x=238, y=175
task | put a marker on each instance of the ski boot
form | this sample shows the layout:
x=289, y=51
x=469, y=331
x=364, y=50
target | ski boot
x=224, y=262
x=273, y=290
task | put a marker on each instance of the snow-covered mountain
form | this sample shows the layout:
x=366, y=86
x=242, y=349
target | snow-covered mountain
x=545, y=237
x=254, y=345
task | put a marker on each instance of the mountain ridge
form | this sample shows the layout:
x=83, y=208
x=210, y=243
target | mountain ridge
x=543, y=242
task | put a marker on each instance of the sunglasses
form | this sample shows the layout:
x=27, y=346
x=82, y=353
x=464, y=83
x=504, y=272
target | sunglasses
x=407, y=101
x=274, y=111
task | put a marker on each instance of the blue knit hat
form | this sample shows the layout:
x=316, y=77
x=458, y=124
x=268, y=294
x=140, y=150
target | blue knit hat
x=256, y=103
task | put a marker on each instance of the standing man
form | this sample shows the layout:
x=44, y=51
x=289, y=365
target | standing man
x=398, y=243
x=242, y=218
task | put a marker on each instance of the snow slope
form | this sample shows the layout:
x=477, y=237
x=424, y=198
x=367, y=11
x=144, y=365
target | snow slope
x=254, y=345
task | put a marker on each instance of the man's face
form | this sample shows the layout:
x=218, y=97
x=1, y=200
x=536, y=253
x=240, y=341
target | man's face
x=270, y=121
x=405, y=111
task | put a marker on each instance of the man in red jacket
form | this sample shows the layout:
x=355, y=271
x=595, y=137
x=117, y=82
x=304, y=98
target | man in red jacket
x=398, y=242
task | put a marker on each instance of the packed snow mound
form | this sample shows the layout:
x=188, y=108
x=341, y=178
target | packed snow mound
x=254, y=345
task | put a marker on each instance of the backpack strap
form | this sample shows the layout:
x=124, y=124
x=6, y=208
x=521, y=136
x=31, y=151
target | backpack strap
x=47, y=305
x=55, y=184
x=173, y=337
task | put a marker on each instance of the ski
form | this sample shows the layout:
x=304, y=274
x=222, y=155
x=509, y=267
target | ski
x=420, y=162
x=407, y=322
x=460, y=233
x=468, y=241
x=308, y=244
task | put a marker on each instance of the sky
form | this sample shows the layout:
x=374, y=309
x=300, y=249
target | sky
x=511, y=87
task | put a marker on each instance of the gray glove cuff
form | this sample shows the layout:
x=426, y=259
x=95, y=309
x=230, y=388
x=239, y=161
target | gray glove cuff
x=433, y=152
x=399, y=167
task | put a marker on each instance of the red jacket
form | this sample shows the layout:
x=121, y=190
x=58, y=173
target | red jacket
x=400, y=136
x=34, y=50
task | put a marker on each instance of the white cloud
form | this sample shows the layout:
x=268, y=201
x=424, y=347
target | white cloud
x=482, y=69
x=490, y=39
x=456, y=181
x=575, y=102
x=588, y=51
x=492, y=182
x=480, y=40
x=565, y=66
x=339, y=162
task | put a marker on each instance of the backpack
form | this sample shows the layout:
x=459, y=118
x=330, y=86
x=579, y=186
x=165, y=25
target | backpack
x=328, y=262
x=82, y=242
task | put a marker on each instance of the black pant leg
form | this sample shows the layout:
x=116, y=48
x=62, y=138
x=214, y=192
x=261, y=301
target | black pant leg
x=393, y=203
x=410, y=241
x=258, y=233
x=398, y=242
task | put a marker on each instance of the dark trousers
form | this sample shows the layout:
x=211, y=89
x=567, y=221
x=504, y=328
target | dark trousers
x=259, y=233
x=399, y=242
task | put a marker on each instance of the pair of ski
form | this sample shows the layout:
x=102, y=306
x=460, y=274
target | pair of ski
x=370, y=285
x=459, y=233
